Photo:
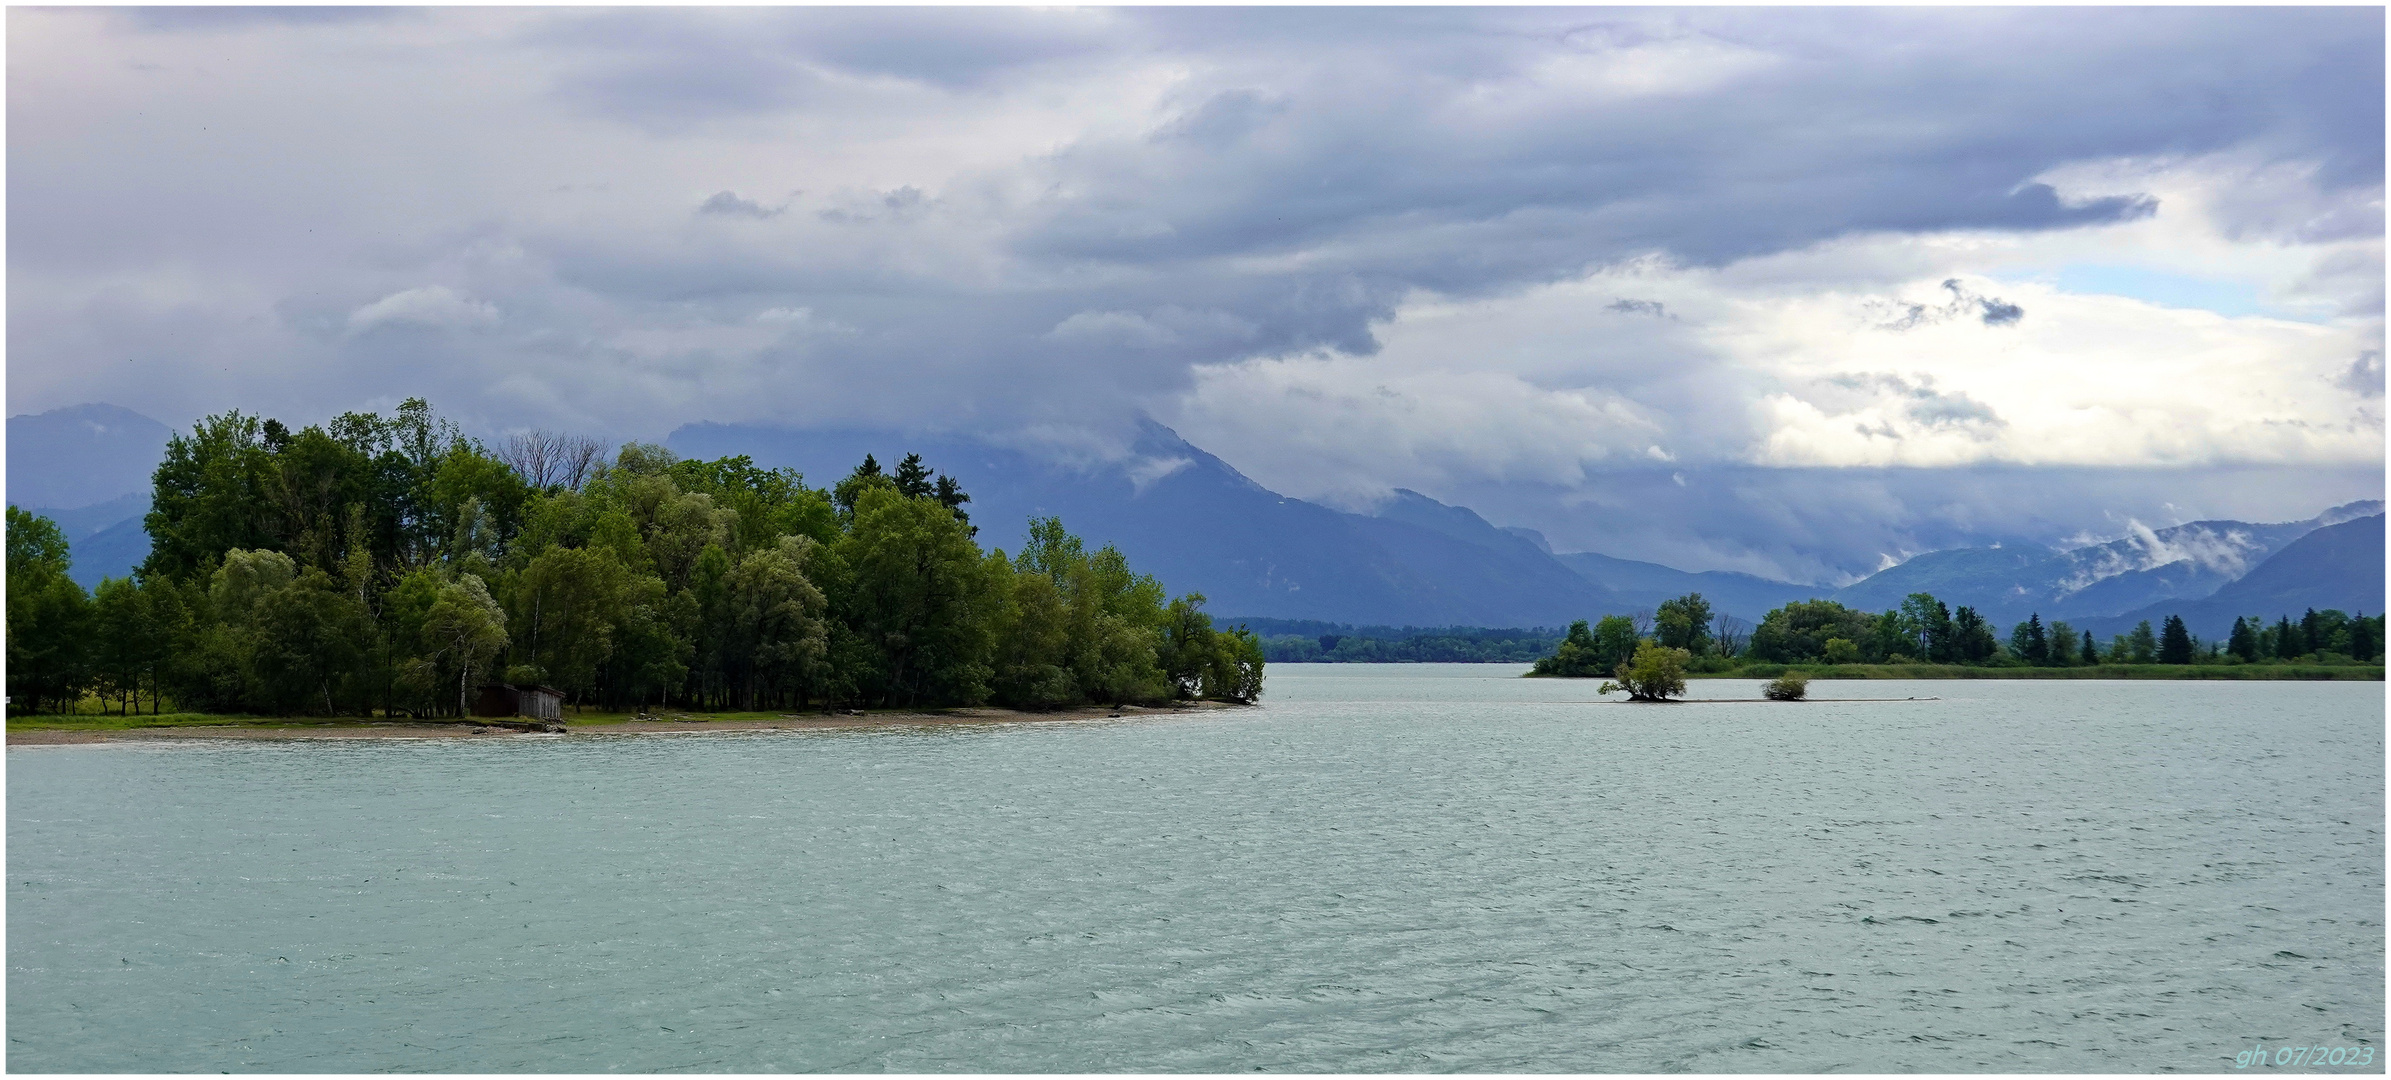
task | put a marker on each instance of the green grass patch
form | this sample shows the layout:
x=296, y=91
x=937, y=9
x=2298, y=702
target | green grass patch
x=91, y=722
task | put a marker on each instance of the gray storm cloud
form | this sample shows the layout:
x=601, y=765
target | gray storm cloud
x=1007, y=219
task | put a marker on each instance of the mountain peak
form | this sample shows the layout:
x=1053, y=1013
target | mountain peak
x=82, y=455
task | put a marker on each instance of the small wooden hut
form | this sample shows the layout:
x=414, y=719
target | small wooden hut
x=507, y=699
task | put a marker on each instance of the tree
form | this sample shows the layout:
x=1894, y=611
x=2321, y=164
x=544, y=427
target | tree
x=306, y=642
x=913, y=479
x=2029, y=642
x=2175, y=643
x=2142, y=645
x=1972, y=637
x=1928, y=623
x=1799, y=631
x=2290, y=644
x=2091, y=652
x=1615, y=639
x=1237, y=674
x=1731, y=634
x=1684, y=623
x=952, y=496
x=2062, y=643
x=2242, y=642
x=918, y=602
x=1577, y=657
x=49, y=617
x=777, y=620
x=1187, y=646
x=210, y=495
x=1655, y=673
x=563, y=612
x=2365, y=638
x=464, y=631
x=847, y=491
x=127, y=640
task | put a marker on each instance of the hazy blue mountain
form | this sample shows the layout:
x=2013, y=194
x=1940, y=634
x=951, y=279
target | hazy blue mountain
x=110, y=552
x=106, y=539
x=1199, y=525
x=2337, y=566
x=1643, y=585
x=83, y=521
x=82, y=455
x=2011, y=581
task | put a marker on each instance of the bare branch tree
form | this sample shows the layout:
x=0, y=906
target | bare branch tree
x=578, y=459
x=547, y=459
x=531, y=455
x=1732, y=634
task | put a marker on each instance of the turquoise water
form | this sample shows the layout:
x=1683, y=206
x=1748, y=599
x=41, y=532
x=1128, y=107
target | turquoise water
x=1416, y=868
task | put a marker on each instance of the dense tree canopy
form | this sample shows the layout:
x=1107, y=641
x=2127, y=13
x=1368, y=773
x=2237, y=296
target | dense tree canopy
x=390, y=564
x=1925, y=629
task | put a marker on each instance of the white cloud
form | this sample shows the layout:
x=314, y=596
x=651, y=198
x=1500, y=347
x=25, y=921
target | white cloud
x=430, y=305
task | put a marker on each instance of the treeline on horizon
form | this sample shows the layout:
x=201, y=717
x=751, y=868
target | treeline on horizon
x=393, y=565
x=1306, y=641
x=1924, y=630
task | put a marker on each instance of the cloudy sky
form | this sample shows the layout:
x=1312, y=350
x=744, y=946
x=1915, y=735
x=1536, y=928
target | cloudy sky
x=1779, y=290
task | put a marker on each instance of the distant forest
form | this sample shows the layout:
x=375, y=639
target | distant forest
x=1304, y=641
x=1924, y=630
x=388, y=565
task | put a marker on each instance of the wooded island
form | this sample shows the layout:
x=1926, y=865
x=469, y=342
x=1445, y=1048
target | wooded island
x=1924, y=638
x=390, y=566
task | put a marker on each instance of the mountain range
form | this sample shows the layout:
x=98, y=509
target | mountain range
x=1199, y=525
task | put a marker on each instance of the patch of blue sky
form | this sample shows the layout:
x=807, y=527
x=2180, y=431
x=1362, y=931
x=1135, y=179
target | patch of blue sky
x=2229, y=297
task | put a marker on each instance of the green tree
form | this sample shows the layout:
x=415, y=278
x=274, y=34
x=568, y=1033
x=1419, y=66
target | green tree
x=2242, y=642
x=128, y=642
x=210, y=495
x=1577, y=656
x=464, y=632
x=1929, y=624
x=306, y=642
x=2142, y=644
x=1655, y=673
x=2029, y=642
x=2175, y=643
x=918, y=601
x=1972, y=637
x=867, y=475
x=2365, y=638
x=2062, y=643
x=1799, y=631
x=563, y=614
x=1684, y=623
x=913, y=479
x=49, y=617
x=777, y=619
x=1237, y=674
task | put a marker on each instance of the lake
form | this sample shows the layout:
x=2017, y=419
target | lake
x=1408, y=868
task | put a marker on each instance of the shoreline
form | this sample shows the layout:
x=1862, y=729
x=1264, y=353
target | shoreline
x=63, y=732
